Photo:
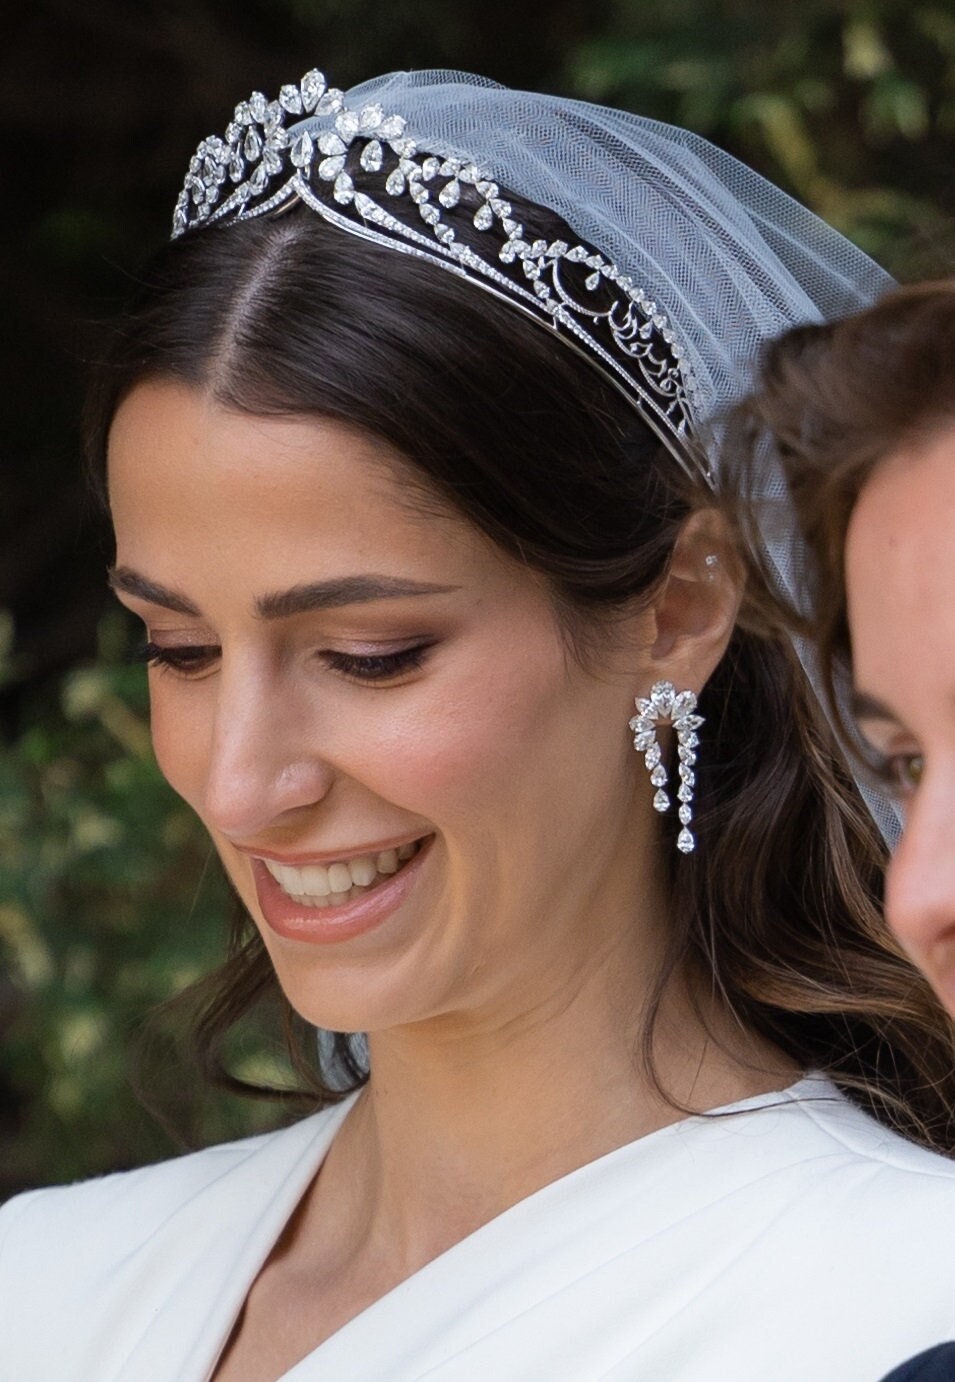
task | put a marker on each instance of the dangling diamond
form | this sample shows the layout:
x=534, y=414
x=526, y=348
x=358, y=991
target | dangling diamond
x=685, y=814
x=592, y=282
x=654, y=753
x=259, y=179
x=659, y=776
x=450, y=194
x=344, y=190
x=685, y=841
x=661, y=802
x=395, y=185
x=685, y=792
x=430, y=168
x=484, y=217
x=259, y=106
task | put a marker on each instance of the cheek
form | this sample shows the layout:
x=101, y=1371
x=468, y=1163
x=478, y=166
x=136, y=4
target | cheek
x=181, y=736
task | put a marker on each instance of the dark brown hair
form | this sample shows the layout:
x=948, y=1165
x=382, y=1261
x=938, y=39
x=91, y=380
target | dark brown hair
x=779, y=906
x=833, y=401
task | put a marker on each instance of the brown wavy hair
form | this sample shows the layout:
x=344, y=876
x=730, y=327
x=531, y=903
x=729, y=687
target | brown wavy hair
x=780, y=904
x=833, y=401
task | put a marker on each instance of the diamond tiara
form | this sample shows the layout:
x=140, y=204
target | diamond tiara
x=355, y=168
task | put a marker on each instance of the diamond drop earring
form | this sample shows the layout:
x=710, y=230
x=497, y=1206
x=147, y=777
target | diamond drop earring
x=667, y=706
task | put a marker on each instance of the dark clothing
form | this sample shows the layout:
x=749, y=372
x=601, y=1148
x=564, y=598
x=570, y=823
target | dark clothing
x=935, y=1365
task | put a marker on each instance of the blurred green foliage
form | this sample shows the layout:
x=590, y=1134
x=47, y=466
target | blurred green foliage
x=109, y=898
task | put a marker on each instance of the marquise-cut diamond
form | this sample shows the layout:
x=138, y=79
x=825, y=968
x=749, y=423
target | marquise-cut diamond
x=687, y=722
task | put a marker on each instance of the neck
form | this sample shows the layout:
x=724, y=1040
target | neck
x=460, y=1121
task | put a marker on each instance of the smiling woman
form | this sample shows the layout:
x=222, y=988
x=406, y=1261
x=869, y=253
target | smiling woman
x=405, y=446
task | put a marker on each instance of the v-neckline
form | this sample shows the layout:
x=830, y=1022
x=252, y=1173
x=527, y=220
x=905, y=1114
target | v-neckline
x=281, y=1206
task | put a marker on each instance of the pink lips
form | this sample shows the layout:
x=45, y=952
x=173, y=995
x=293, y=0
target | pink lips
x=329, y=925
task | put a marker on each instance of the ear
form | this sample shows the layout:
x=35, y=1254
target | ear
x=696, y=608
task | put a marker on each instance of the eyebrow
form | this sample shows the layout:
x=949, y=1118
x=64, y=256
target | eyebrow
x=300, y=599
x=866, y=707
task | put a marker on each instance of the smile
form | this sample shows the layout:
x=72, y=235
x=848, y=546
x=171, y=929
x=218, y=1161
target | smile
x=332, y=885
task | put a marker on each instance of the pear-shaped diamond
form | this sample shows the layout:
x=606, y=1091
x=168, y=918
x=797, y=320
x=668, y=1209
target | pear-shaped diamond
x=685, y=841
x=654, y=753
x=450, y=194
x=331, y=144
x=290, y=99
x=484, y=217
x=685, y=814
x=395, y=184
x=312, y=87
x=661, y=802
x=372, y=157
x=659, y=776
x=302, y=150
x=329, y=168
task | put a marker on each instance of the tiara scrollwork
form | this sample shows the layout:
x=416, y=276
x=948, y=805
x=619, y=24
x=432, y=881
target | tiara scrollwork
x=357, y=167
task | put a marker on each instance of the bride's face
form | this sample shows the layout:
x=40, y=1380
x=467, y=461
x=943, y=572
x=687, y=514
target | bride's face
x=900, y=583
x=427, y=804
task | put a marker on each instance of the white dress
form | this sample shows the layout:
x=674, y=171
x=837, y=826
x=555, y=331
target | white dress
x=794, y=1240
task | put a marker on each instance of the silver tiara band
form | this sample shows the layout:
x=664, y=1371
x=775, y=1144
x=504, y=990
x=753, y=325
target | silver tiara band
x=333, y=159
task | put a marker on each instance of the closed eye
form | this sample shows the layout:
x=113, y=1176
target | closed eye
x=188, y=659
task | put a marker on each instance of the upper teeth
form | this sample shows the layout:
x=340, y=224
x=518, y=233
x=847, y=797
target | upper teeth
x=320, y=880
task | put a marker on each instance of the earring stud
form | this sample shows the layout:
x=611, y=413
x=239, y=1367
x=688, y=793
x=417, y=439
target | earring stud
x=667, y=706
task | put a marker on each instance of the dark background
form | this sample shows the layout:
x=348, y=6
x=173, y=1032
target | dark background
x=108, y=899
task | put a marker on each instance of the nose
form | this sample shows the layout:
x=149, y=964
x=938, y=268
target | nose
x=263, y=762
x=920, y=884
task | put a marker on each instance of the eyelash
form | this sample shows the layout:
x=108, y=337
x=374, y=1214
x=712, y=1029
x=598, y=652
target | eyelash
x=191, y=660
